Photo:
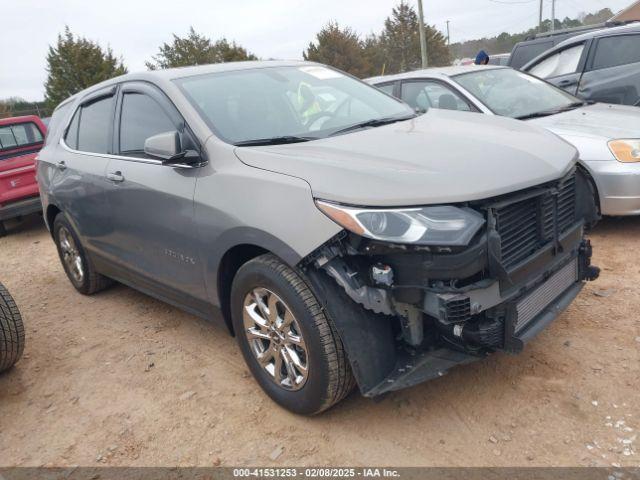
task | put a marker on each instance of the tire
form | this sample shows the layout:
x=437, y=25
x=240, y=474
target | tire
x=11, y=331
x=3, y=229
x=81, y=272
x=328, y=378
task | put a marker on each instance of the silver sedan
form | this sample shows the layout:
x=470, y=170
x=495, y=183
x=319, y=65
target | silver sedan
x=607, y=136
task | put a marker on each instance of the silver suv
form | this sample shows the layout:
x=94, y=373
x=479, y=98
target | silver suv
x=344, y=239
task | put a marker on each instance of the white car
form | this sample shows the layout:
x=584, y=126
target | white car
x=607, y=136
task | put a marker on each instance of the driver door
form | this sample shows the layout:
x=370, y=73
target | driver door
x=151, y=204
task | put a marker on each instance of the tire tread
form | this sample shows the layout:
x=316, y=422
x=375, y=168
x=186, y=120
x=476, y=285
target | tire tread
x=11, y=331
x=341, y=379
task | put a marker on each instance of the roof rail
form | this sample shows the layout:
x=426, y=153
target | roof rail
x=584, y=28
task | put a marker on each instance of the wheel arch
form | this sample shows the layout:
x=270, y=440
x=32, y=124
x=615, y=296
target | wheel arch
x=235, y=249
x=594, y=185
x=50, y=215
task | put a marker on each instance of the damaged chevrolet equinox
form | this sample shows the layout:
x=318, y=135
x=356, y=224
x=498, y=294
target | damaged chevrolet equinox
x=343, y=240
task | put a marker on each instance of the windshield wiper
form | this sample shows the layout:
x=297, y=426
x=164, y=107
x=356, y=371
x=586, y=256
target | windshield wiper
x=546, y=113
x=375, y=122
x=274, y=141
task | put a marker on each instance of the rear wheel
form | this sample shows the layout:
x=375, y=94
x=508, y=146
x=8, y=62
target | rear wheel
x=76, y=263
x=3, y=229
x=11, y=331
x=287, y=340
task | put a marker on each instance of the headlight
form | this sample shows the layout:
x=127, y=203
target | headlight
x=444, y=226
x=626, y=151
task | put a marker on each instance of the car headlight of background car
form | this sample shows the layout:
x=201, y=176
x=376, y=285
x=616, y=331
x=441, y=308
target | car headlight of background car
x=626, y=151
x=436, y=226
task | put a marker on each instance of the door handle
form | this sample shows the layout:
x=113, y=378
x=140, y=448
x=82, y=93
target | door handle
x=61, y=166
x=115, y=177
x=567, y=83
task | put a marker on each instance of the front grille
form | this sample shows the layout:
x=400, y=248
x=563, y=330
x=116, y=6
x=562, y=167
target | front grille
x=528, y=225
x=535, y=302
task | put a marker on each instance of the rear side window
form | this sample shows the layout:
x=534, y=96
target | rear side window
x=560, y=63
x=19, y=135
x=523, y=54
x=618, y=50
x=142, y=117
x=94, y=128
x=71, y=138
x=386, y=88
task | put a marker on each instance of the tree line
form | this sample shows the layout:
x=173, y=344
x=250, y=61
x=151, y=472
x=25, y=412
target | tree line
x=505, y=42
x=75, y=63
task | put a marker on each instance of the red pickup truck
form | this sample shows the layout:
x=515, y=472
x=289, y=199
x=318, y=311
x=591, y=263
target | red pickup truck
x=21, y=138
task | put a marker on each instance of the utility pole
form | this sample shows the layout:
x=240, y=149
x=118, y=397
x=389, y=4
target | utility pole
x=553, y=15
x=448, y=35
x=423, y=36
x=540, y=17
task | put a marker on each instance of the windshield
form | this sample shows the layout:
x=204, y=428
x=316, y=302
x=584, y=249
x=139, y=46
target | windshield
x=514, y=94
x=306, y=102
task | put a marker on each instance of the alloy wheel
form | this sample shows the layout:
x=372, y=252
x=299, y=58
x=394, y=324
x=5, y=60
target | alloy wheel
x=70, y=255
x=275, y=339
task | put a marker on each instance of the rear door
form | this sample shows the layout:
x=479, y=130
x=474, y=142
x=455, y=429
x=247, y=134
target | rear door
x=79, y=165
x=19, y=145
x=612, y=73
x=524, y=52
x=563, y=67
x=151, y=204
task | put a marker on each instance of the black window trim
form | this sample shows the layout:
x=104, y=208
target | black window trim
x=463, y=97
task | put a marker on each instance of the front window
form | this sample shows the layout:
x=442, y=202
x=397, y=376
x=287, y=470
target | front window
x=515, y=94
x=306, y=102
x=141, y=117
x=561, y=63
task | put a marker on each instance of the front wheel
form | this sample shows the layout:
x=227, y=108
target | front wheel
x=287, y=340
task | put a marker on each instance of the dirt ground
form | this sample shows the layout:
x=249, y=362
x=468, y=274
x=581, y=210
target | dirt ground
x=122, y=379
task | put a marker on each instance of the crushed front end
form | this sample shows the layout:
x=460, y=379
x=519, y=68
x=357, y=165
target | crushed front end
x=442, y=306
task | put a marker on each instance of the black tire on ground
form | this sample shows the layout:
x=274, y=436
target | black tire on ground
x=92, y=281
x=11, y=331
x=3, y=229
x=329, y=378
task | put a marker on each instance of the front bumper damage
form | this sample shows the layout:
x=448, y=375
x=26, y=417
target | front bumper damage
x=408, y=314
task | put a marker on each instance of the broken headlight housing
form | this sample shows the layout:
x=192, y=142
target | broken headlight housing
x=433, y=226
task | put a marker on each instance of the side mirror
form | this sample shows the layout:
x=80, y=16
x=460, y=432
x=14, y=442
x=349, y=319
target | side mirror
x=167, y=147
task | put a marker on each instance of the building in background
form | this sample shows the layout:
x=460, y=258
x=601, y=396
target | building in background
x=629, y=14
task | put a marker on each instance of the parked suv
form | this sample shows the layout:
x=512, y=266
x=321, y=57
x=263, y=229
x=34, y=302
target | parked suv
x=21, y=139
x=344, y=239
x=534, y=45
x=600, y=66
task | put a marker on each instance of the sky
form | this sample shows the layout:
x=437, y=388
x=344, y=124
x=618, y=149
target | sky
x=280, y=29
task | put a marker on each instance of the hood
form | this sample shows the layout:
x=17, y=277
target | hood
x=600, y=120
x=439, y=157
